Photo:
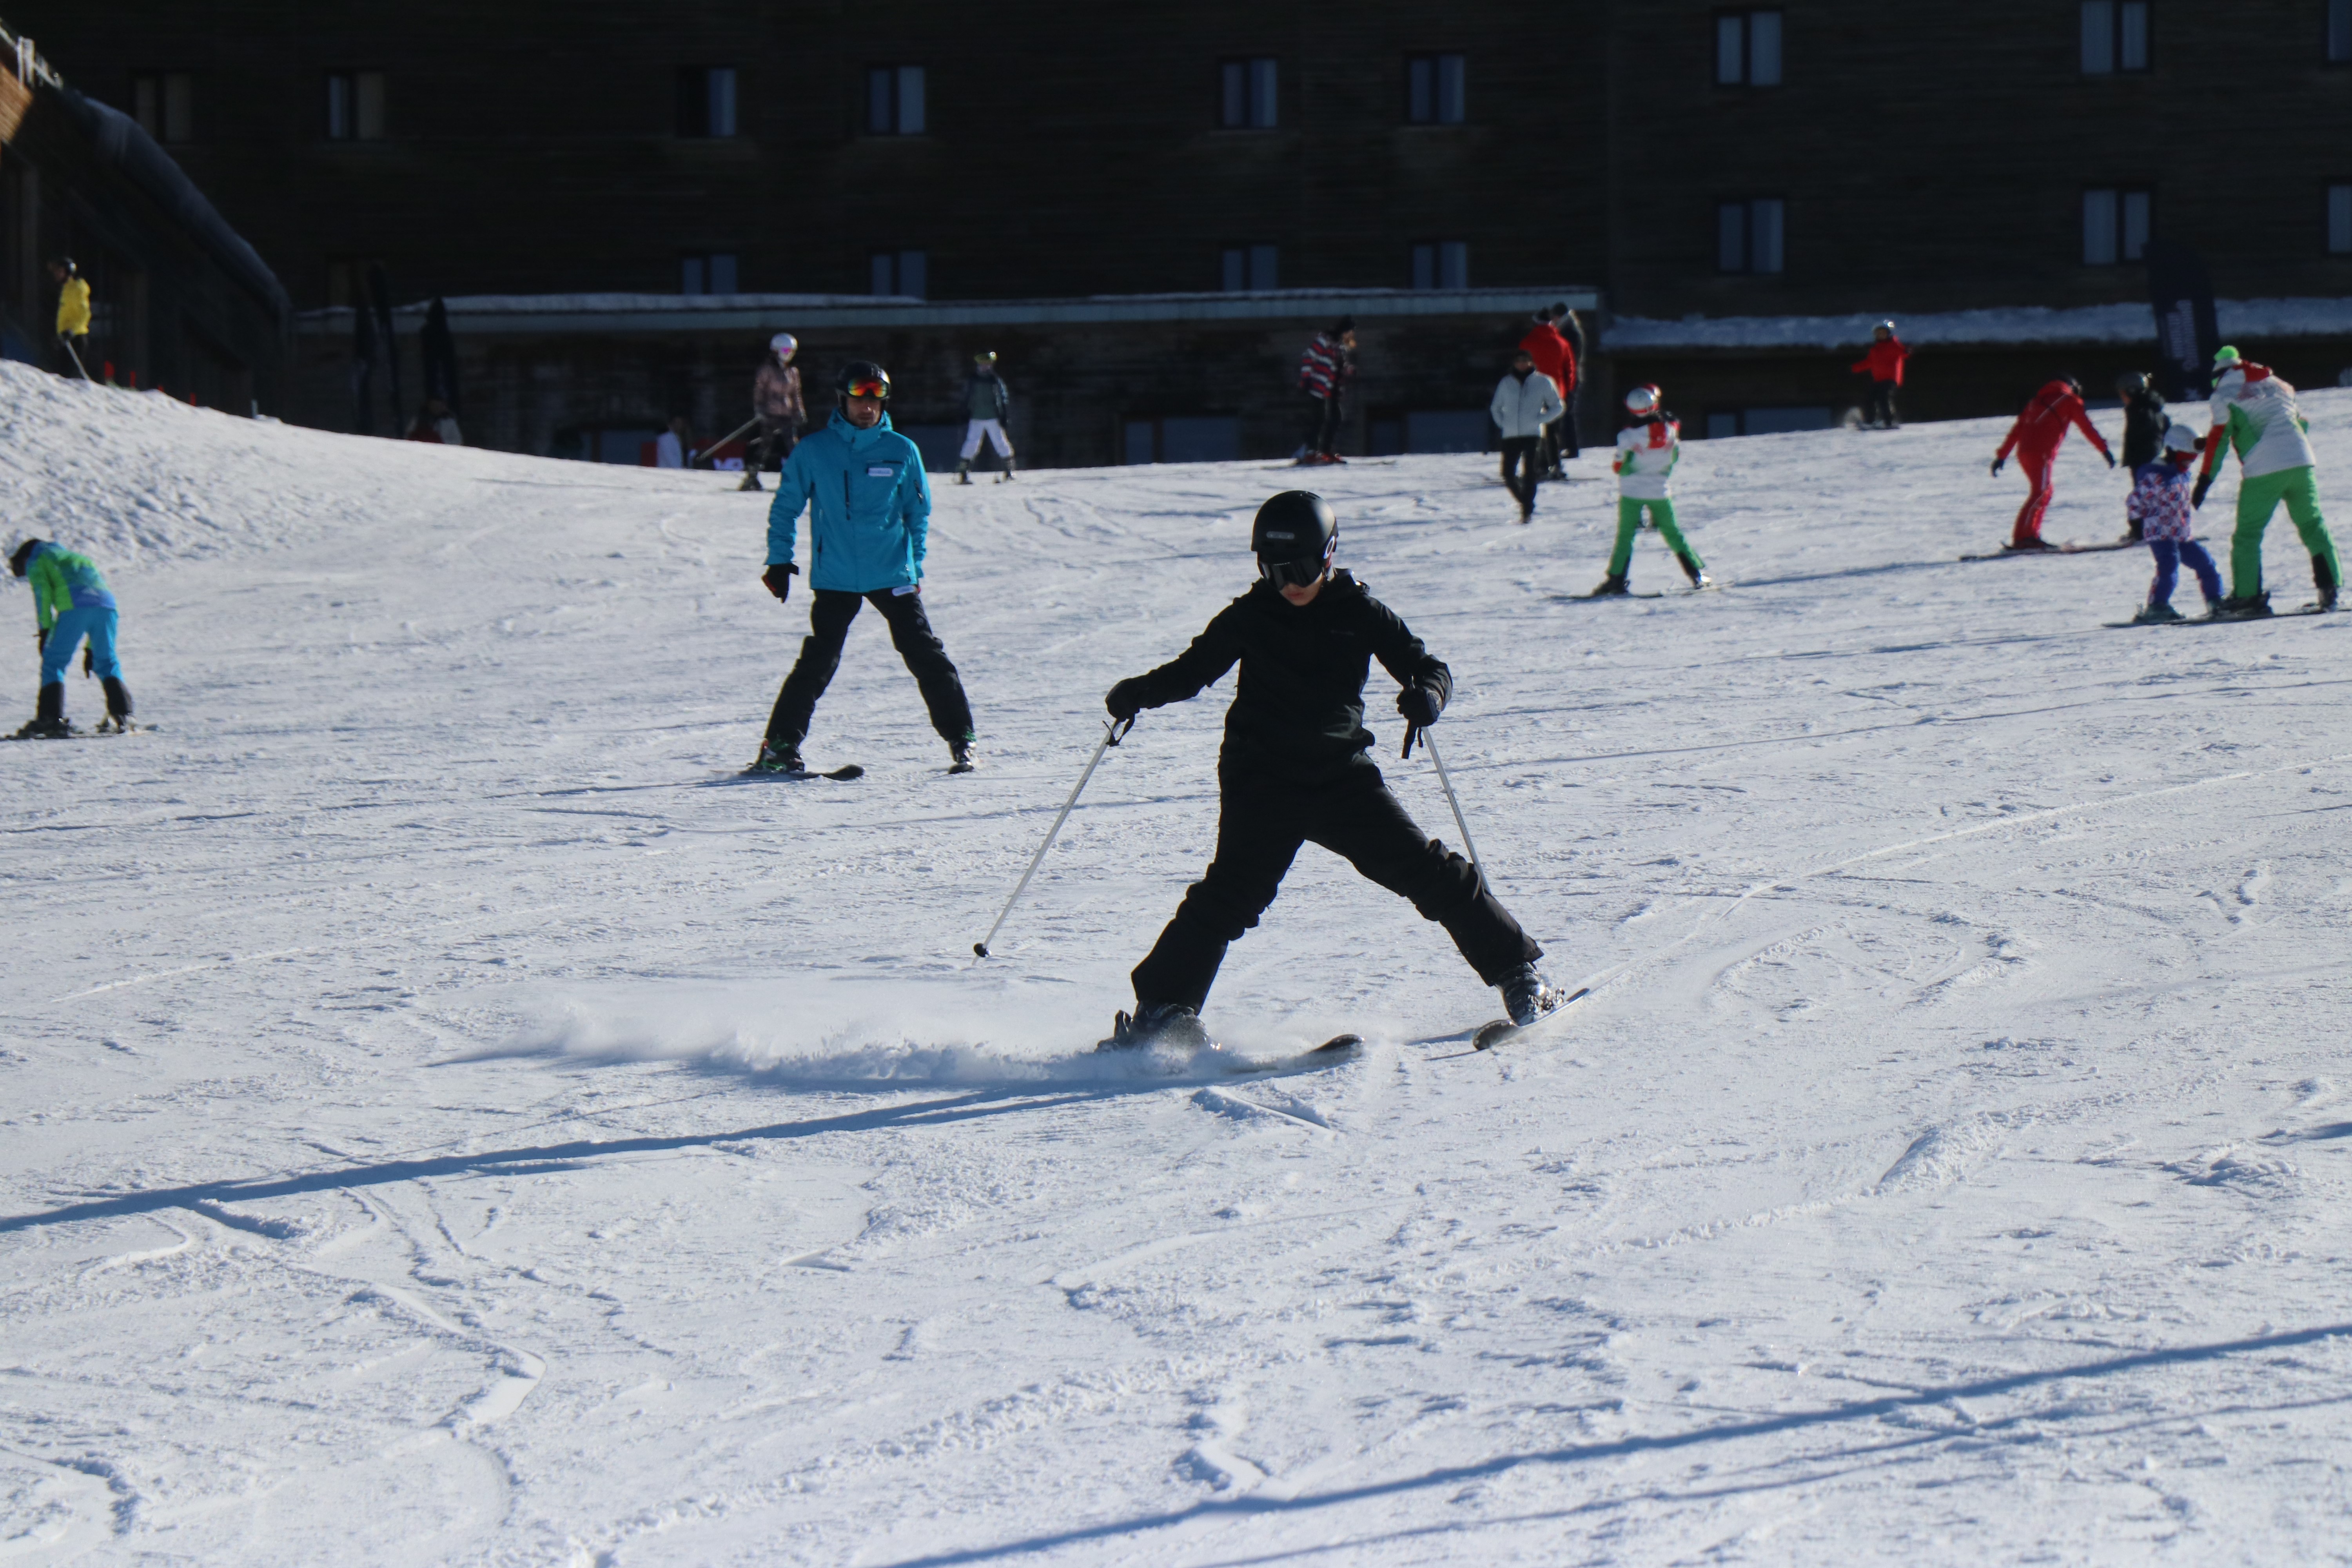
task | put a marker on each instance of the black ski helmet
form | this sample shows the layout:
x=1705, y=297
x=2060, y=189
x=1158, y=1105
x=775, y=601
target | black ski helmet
x=1297, y=525
x=20, y=561
x=862, y=372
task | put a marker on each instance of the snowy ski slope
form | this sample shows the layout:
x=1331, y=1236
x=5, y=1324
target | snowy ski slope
x=446, y=1117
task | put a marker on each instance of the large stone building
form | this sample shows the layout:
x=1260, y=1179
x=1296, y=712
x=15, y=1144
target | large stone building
x=985, y=176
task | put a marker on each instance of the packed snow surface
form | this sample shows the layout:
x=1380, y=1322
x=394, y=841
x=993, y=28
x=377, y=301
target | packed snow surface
x=450, y=1117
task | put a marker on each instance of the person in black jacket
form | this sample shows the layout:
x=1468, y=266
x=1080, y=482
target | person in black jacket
x=1293, y=770
x=2144, y=425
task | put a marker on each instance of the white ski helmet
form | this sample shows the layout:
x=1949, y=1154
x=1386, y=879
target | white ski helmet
x=2180, y=438
x=1887, y=327
x=783, y=346
x=1643, y=399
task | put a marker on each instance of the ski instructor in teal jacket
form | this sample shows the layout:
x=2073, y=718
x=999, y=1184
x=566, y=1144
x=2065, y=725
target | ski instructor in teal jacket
x=70, y=603
x=869, y=509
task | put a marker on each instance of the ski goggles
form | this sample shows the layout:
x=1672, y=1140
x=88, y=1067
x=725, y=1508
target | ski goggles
x=1293, y=574
x=869, y=389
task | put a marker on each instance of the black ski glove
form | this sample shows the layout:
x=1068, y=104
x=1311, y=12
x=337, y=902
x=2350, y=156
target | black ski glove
x=779, y=579
x=2110, y=457
x=1420, y=706
x=41, y=639
x=1997, y=464
x=89, y=661
x=1125, y=699
x=2196, y=496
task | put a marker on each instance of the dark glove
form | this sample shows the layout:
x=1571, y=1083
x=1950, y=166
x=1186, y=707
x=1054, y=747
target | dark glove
x=2196, y=496
x=41, y=639
x=1125, y=699
x=2110, y=457
x=779, y=579
x=88, y=659
x=1420, y=706
x=1997, y=464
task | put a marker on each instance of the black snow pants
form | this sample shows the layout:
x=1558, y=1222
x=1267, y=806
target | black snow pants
x=1323, y=424
x=1878, y=408
x=1522, y=459
x=911, y=634
x=1261, y=823
x=769, y=445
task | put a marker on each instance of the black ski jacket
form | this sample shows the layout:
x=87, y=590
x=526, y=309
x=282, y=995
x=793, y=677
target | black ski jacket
x=2144, y=424
x=1298, y=708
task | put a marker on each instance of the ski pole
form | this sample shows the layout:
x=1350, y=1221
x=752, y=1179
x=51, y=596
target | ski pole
x=1415, y=732
x=1114, y=731
x=702, y=452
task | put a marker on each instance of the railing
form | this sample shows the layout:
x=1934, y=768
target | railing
x=31, y=69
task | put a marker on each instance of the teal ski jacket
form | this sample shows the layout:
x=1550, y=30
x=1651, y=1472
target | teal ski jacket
x=869, y=507
x=65, y=580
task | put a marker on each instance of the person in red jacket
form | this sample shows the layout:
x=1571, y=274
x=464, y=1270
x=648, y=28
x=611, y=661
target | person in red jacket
x=1556, y=359
x=1882, y=362
x=2035, y=438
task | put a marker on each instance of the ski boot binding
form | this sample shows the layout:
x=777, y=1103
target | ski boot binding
x=2248, y=607
x=1164, y=1026
x=775, y=759
x=2155, y=615
x=1611, y=587
x=1528, y=995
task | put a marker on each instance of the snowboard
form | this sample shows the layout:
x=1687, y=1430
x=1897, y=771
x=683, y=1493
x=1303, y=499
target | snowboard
x=1501, y=1031
x=846, y=771
x=2218, y=621
x=2006, y=554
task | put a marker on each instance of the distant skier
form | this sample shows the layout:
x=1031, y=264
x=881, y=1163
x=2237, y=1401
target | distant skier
x=1324, y=372
x=1571, y=330
x=1526, y=404
x=2254, y=410
x=1647, y=452
x=674, y=445
x=73, y=313
x=2160, y=511
x=1882, y=362
x=2036, y=438
x=987, y=406
x=776, y=402
x=1551, y=354
x=1293, y=771
x=869, y=509
x=70, y=602
x=2145, y=425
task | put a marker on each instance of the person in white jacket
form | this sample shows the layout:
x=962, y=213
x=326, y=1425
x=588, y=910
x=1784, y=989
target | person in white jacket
x=1647, y=452
x=2255, y=414
x=1525, y=405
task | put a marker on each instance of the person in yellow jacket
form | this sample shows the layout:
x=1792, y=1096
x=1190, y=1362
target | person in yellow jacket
x=73, y=310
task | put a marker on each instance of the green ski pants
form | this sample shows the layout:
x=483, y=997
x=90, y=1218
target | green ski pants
x=1629, y=522
x=2258, y=498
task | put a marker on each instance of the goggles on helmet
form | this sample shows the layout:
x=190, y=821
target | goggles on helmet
x=1293, y=574
x=870, y=388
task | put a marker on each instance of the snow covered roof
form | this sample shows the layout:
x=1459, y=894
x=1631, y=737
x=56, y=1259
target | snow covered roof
x=767, y=312
x=2020, y=324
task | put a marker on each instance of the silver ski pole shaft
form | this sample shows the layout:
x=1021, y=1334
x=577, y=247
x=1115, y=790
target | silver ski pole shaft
x=1448, y=783
x=702, y=452
x=1114, y=731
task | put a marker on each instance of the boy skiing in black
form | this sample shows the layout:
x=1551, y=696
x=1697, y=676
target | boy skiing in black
x=2144, y=427
x=1293, y=770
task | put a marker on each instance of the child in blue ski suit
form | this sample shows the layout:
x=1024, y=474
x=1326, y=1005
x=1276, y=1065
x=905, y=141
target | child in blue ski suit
x=2160, y=512
x=70, y=602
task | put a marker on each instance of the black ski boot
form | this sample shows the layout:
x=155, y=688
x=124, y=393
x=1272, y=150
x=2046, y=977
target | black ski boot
x=2252, y=608
x=1611, y=586
x=48, y=720
x=2323, y=576
x=1169, y=1025
x=1694, y=572
x=963, y=472
x=2155, y=615
x=1008, y=469
x=1528, y=995
x=778, y=757
x=117, y=702
x=959, y=760
x=751, y=479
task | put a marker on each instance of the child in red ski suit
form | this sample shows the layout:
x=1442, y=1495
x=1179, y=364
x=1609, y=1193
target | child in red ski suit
x=2035, y=438
x=1882, y=362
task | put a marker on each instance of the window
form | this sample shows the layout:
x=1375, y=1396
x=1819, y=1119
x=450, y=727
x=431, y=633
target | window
x=710, y=272
x=164, y=104
x=1432, y=89
x=1248, y=101
x=902, y=272
x=706, y=100
x=2115, y=37
x=2339, y=32
x=1748, y=235
x=1182, y=438
x=2115, y=226
x=1252, y=268
x=1441, y=264
x=355, y=106
x=893, y=101
x=1748, y=49
x=2339, y=220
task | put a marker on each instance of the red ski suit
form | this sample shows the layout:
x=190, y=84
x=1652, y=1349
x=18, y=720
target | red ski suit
x=2035, y=438
x=1552, y=354
x=1884, y=360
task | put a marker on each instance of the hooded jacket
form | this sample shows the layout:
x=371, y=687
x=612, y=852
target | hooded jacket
x=869, y=507
x=2256, y=406
x=1647, y=452
x=64, y=580
x=1298, y=708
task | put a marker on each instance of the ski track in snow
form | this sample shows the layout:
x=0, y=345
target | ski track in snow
x=451, y=1118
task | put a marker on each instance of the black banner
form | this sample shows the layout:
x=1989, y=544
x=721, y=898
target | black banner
x=440, y=358
x=2186, y=333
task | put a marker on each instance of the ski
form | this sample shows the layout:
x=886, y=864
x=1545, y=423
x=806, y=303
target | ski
x=2225, y=620
x=846, y=771
x=1577, y=598
x=2005, y=553
x=1330, y=1053
x=1502, y=1030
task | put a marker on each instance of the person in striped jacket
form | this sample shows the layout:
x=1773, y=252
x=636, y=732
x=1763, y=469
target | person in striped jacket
x=1324, y=372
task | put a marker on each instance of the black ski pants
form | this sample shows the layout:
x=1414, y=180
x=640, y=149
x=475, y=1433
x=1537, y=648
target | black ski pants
x=1261, y=823
x=911, y=634
x=1522, y=460
x=770, y=444
x=1878, y=408
x=1323, y=416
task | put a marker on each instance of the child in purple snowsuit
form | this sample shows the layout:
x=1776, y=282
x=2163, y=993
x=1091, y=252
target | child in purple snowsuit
x=2160, y=513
